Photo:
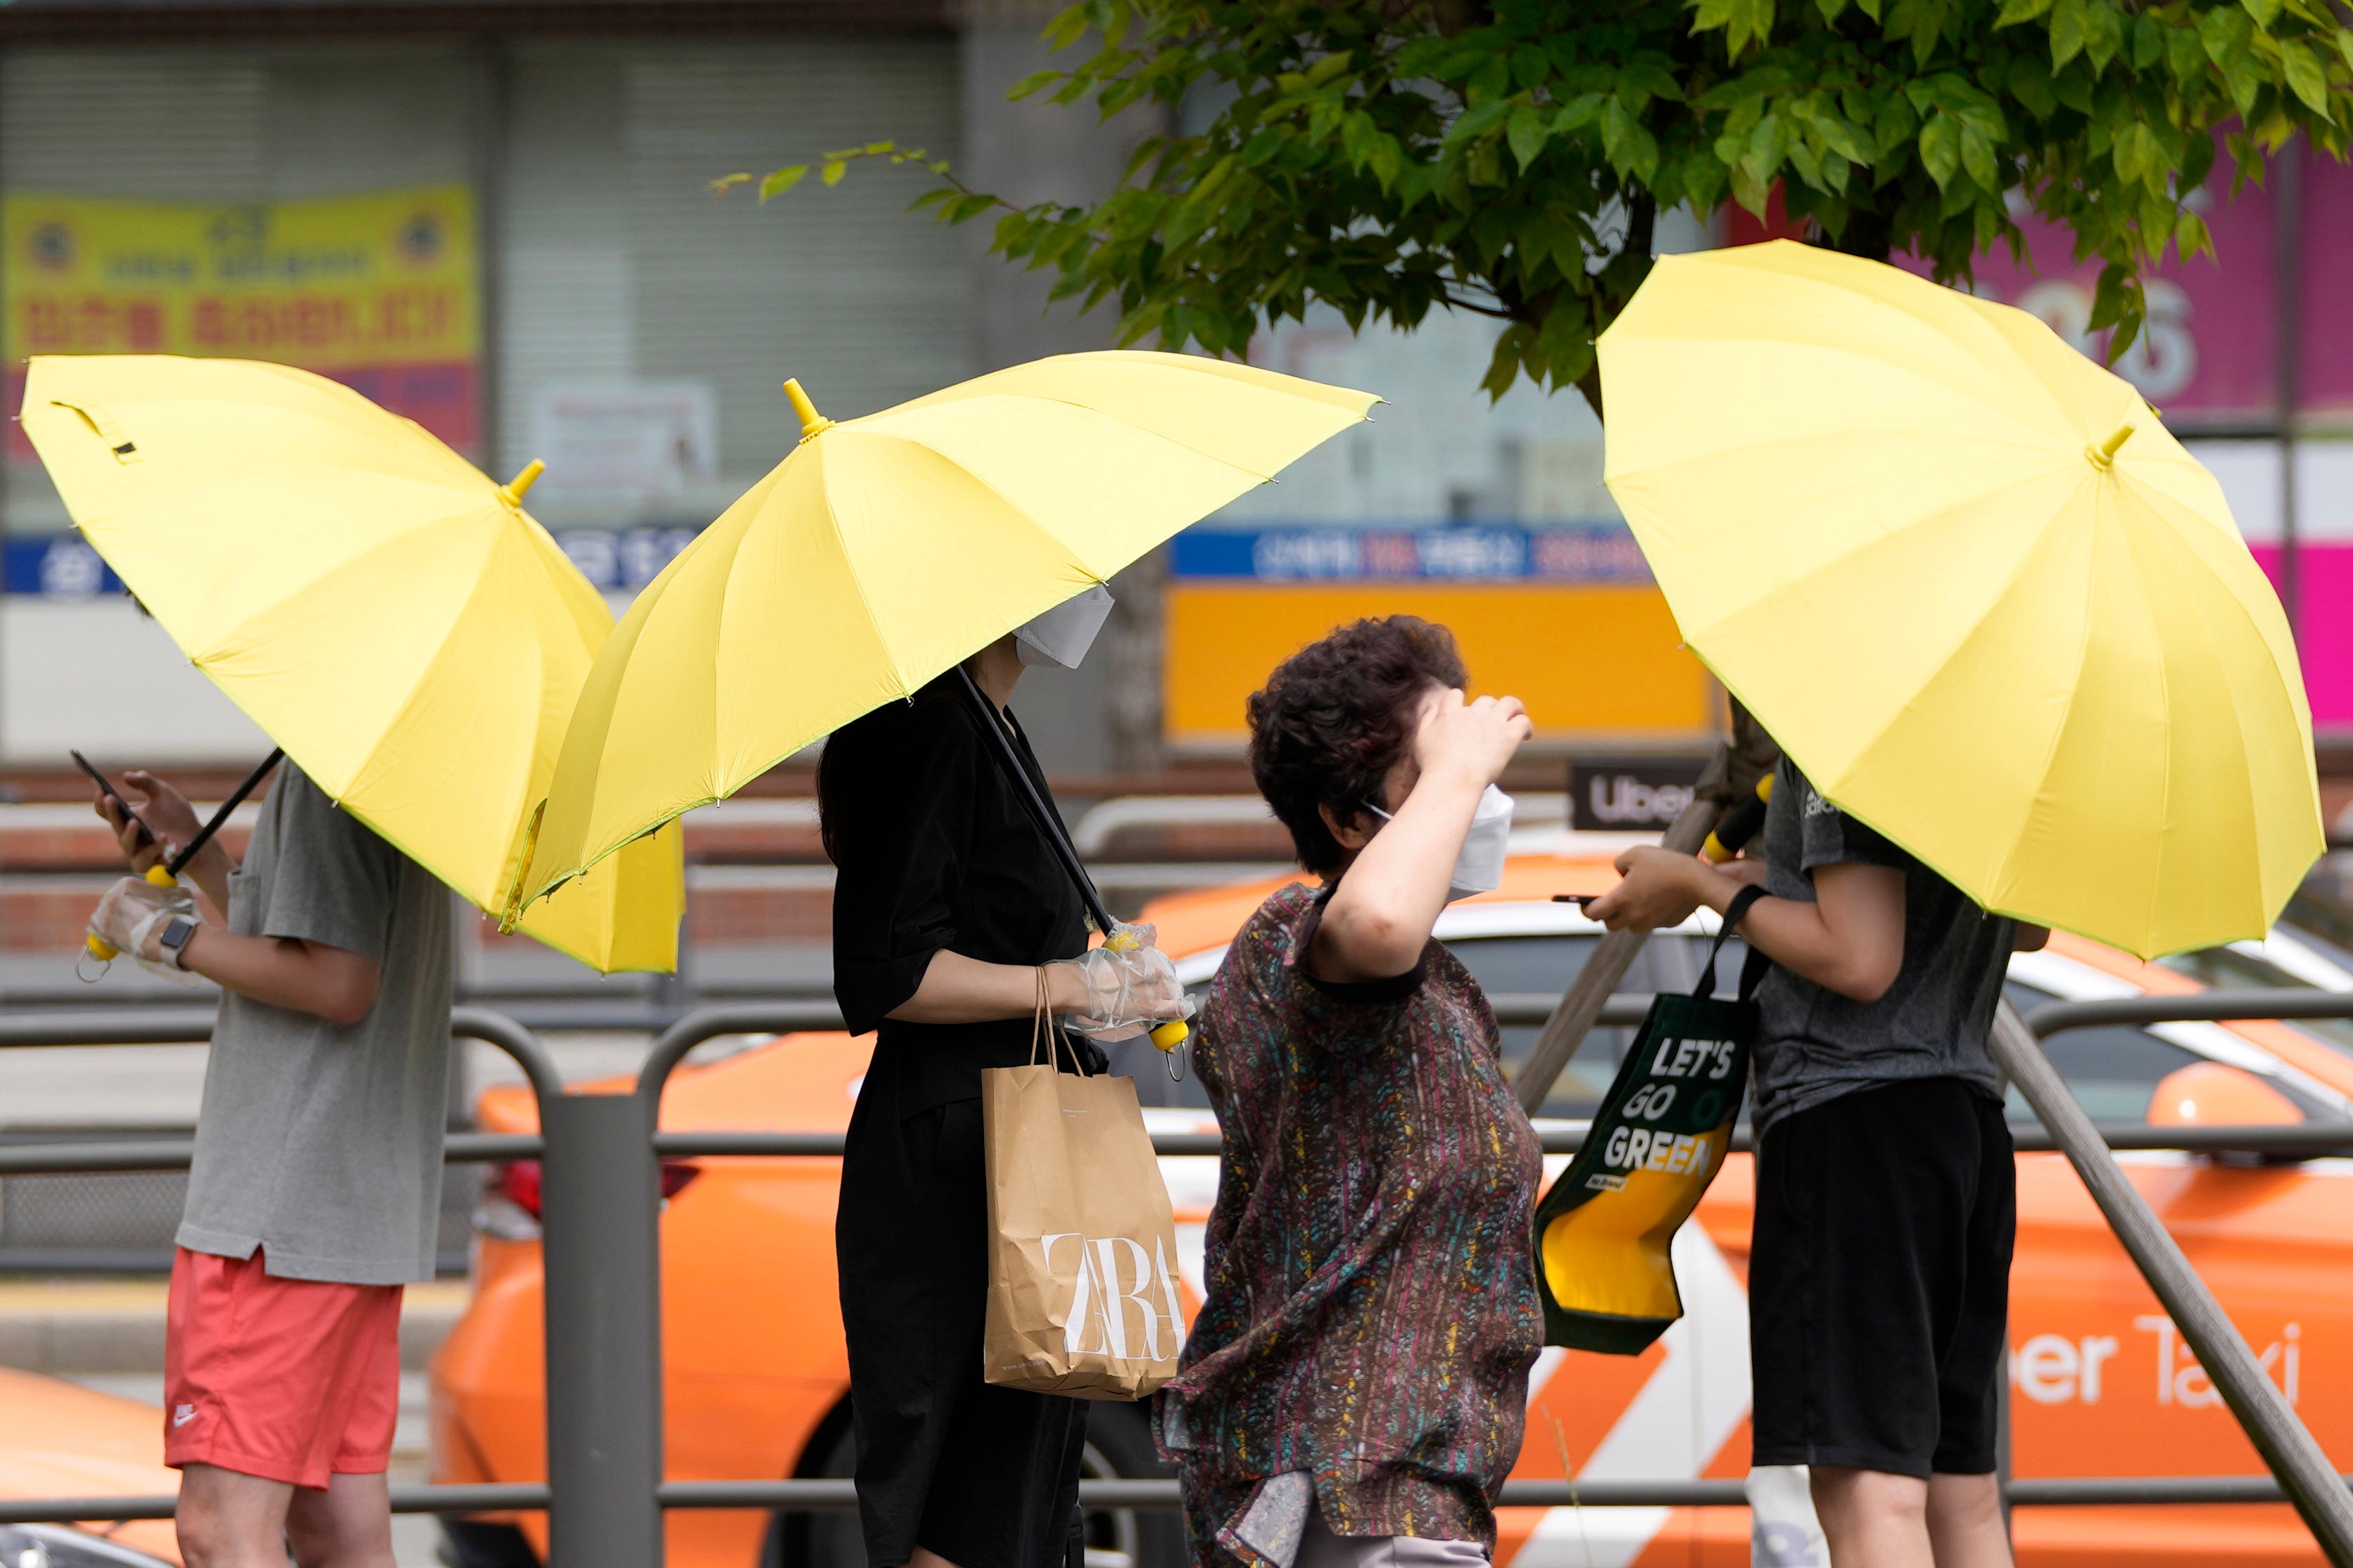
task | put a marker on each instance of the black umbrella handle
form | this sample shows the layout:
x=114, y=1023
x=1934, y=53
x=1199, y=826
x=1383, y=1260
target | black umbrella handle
x=220, y=818
x=1041, y=810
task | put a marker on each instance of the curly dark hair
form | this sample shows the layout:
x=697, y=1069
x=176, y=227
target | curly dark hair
x=1335, y=717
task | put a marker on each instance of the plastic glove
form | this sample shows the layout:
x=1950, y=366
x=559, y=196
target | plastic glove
x=130, y=917
x=1129, y=985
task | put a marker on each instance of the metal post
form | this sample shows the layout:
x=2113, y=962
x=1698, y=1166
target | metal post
x=2003, y=1472
x=2305, y=1474
x=603, y=1274
x=2287, y=353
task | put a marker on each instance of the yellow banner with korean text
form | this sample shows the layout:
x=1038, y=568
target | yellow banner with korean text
x=378, y=289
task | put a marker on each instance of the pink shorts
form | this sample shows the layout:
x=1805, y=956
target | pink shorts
x=291, y=1380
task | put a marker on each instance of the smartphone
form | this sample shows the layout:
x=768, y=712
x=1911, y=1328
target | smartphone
x=146, y=834
x=1579, y=900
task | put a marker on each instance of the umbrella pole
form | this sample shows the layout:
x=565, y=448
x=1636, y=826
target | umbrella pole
x=1742, y=758
x=1580, y=1005
x=2303, y=1471
x=220, y=816
x=1041, y=810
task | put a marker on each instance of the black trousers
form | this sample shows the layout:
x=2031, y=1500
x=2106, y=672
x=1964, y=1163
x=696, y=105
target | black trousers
x=1879, y=1280
x=986, y=1477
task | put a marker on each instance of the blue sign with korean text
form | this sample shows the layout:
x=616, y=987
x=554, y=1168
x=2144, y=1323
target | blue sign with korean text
x=1472, y=552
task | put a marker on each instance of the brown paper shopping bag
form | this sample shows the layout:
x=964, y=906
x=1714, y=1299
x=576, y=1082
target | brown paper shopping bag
x=1082, y=1296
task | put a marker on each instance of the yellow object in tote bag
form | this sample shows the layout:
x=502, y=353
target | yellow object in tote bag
x=1083, y=1294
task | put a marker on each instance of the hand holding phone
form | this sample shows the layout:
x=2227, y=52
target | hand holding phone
x=115, y=797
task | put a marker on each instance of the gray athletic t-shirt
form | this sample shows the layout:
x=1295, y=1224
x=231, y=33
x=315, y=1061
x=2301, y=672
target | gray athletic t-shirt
x=1815, y=1045
x=321, y=1142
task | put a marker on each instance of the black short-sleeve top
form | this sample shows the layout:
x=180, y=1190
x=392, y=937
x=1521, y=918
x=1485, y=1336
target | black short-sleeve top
x=934, y=849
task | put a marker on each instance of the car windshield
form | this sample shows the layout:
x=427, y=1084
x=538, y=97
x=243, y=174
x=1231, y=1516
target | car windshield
x=2114, y=1071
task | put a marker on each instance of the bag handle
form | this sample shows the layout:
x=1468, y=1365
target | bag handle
x=1751, y=971
x=1044, y=1031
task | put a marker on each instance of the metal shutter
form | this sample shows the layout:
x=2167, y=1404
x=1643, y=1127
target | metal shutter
x=621, y=263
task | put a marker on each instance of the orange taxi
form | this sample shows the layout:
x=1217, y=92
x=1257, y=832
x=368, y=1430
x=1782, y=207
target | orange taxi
x=2101, y=1383
x=65, y=1441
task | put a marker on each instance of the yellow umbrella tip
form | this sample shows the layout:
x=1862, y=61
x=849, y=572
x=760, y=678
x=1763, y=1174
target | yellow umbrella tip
x=2104, y=456
x=812, y=422
x=512, y=491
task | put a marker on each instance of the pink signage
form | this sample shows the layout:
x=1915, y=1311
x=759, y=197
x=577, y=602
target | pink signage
x=2206, y=357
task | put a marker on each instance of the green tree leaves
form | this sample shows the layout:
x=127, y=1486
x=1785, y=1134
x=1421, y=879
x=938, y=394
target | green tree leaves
x=1510, y=157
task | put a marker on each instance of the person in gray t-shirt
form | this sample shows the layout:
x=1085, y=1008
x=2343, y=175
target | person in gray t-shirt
x=315, y=1192
x=1879, y=1266
x=1816, y=1042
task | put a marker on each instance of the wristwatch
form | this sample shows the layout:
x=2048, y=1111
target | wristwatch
x=175, y=939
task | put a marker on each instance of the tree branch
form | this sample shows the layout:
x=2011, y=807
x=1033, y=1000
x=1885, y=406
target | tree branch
x=1456, y=302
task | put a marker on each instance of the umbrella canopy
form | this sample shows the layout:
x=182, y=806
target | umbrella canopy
x=1972, y=586
x=884, y=549
x=391, y=617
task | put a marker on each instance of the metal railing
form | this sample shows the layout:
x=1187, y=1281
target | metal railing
x=606, y=1494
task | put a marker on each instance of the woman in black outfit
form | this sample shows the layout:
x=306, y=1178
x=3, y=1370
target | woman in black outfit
x=947, y=903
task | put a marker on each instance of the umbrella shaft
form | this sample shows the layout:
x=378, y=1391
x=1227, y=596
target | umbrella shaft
x=220, y=818
x=1041, y=810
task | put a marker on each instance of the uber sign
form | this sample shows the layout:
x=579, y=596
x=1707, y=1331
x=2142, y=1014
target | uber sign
x=1631, y=794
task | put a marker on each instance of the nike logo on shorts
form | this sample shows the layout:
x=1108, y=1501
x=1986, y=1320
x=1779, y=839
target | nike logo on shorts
x=183, y=1414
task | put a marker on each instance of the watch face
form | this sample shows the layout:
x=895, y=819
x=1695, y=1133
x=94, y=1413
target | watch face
x=176, y=933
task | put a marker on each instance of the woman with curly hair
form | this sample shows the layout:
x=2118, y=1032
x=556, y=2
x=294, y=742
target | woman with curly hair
x=1354, y=1389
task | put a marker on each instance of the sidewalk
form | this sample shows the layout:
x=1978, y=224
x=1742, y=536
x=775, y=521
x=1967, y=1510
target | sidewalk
x=86, y=1328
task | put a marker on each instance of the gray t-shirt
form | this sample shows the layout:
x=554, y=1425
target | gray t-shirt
x=1815, y=1045
x=321, y=1142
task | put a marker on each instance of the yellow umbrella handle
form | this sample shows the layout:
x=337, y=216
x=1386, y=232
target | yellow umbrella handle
x=1176, y=1031
x=1740, y=827
x=105, y=951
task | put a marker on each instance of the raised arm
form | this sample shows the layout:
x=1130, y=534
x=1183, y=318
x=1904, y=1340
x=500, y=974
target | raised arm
x=1380, y=917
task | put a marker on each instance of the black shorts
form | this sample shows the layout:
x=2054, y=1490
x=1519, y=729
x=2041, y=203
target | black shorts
x=1879, y=1281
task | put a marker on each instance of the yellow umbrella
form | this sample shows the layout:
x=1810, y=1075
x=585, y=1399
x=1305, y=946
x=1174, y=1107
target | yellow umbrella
x=1973, y=587
x=884, y=549
x=391, y=618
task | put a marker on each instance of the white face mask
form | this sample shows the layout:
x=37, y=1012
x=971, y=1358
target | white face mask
x=1480, y=868
x=1063, y=634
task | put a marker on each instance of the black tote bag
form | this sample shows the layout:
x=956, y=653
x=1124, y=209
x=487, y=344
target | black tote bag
x=1604, y=1231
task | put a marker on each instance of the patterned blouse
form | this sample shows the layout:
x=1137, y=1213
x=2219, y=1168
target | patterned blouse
x=1371, y=1312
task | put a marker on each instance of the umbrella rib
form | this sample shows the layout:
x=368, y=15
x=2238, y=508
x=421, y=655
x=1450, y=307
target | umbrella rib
x=857, y=586
x=2018, y=569
x=2165, y=506
x=1784, y=443
x=1863, y=546
x=1007, y=502
x=187, y=496
x=1084, y=408
x=2255, y=827
x=399, y=709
